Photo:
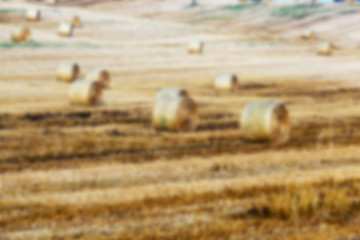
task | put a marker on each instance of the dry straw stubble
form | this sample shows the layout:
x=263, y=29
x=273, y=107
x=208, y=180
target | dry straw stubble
x=51, y=2
x=171, y=92
x=265, y=121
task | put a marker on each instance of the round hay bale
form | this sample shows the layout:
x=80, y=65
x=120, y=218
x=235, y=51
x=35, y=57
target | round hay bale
x=65, y=29
x=265, y=121
x=85, y=93
x=99, y=75
x=171, y=92
x=33, y=15
x=75, y=21
x=176, y=114
x=20, y=34
x=51, y=2
x=67, y=72
x=308, y=35
x=195, y=47
x=325, y=48
x=226, y=82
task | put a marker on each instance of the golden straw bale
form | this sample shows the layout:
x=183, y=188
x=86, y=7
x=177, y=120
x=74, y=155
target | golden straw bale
x=67, y=72
x=65, y=29
x=85, y=93
x=195, y=47
x=20, y=34
x=325, y=48
x=308, y=35
x=33, y=15
x=176, y=114
x=75, y=21
x=265, y=121
x=226, y=82
x=99, y=75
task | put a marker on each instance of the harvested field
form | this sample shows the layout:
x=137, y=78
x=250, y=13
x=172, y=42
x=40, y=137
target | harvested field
x=103, y=172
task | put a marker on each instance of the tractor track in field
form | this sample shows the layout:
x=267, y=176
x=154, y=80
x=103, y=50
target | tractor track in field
x=69, y=149
x=17, y=216
x=89, y=118
x=321, y=93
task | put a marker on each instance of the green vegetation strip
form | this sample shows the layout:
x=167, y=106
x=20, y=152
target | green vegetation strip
x=221, y=14
x=11, y=10
x=10, y=45
x=295, y=11
x=238, y=7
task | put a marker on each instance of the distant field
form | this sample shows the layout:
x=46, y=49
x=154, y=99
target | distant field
x=103, y=173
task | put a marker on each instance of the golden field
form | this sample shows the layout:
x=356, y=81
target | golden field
x=103, y=172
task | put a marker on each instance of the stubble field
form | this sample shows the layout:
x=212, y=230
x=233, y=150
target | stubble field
x=102, y=172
